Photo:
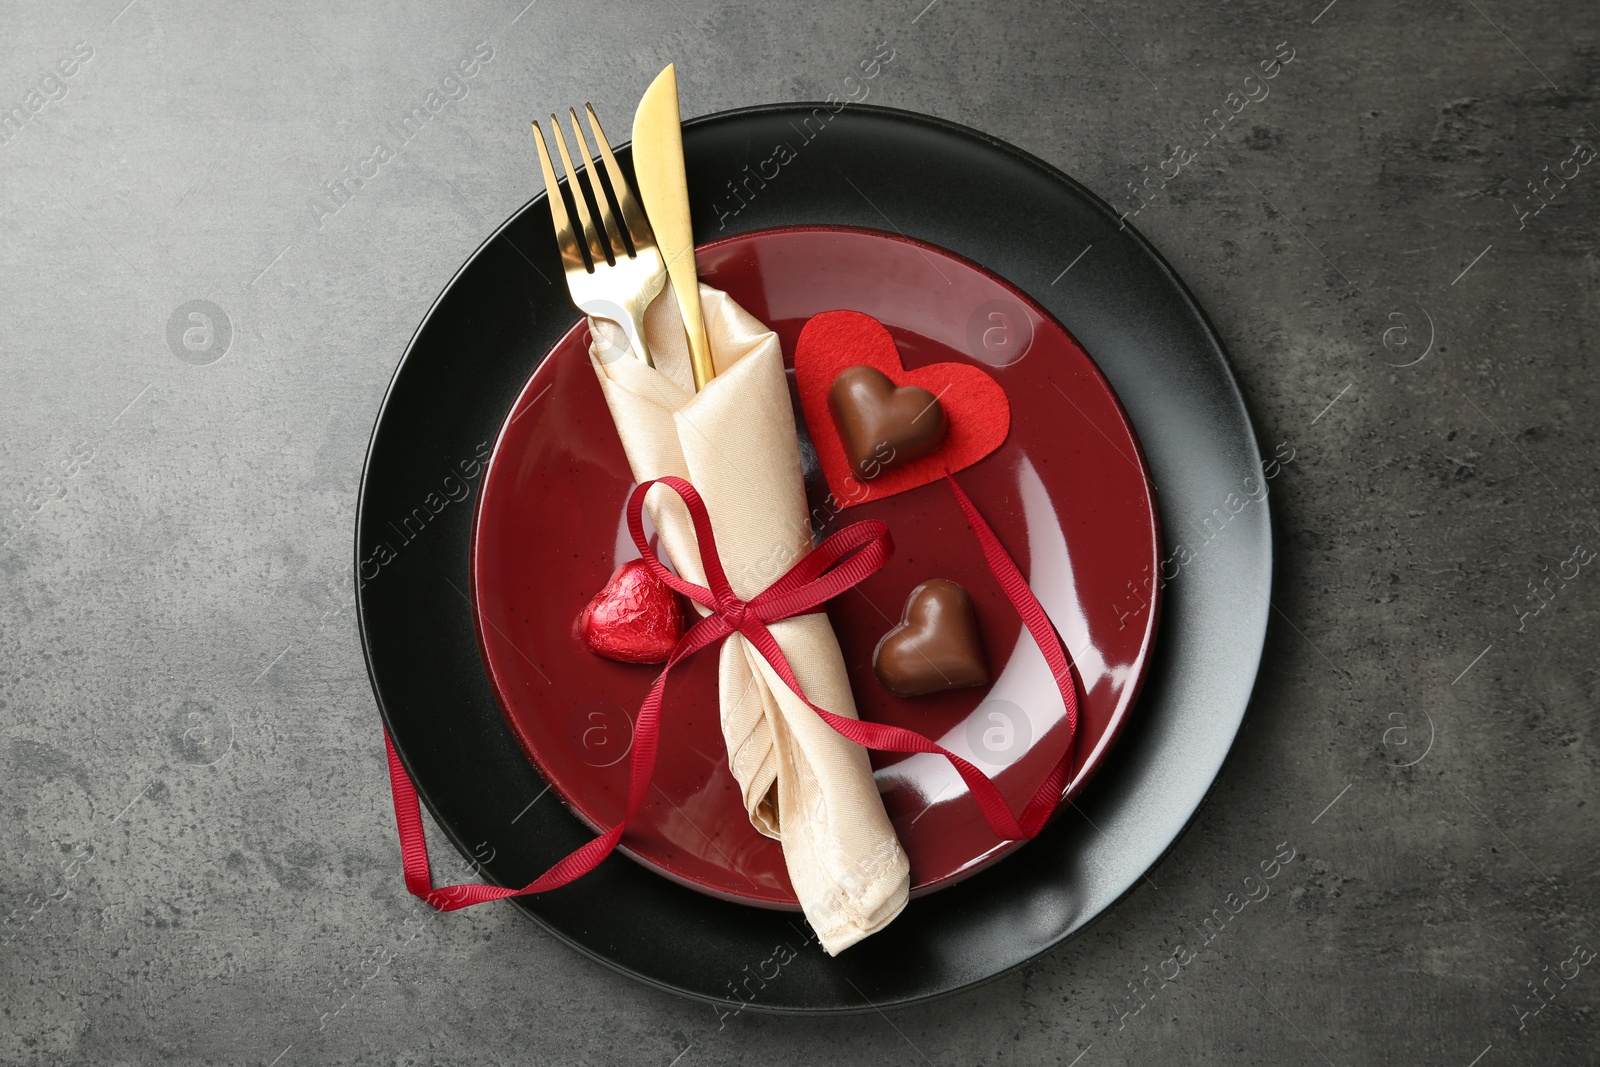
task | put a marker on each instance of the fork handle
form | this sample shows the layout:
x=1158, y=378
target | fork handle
x=632, y=324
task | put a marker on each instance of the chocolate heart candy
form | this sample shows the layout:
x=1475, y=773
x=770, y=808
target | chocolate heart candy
x=883, y=426
x=935, y=647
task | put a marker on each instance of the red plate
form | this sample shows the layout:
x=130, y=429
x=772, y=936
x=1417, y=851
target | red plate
x=1068, y=494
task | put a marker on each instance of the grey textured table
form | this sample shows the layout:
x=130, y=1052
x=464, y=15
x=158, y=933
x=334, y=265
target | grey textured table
x=197, y=856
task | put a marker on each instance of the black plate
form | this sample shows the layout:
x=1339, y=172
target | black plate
x=981, y=198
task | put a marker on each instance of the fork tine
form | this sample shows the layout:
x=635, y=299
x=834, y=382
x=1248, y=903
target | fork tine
x=633, y=217
x=608, y=219
x=597, y=252
x=566, y=238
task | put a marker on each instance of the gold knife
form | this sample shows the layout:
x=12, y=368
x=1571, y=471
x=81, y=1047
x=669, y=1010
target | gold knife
x=664, y=188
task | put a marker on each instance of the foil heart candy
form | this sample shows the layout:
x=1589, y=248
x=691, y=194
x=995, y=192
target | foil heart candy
x=636, y=618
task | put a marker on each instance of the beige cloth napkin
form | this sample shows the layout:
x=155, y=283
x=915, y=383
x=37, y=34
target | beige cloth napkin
x=735, y=441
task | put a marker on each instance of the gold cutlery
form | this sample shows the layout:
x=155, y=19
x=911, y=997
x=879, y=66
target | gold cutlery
x=617, y=276
x=664, y=188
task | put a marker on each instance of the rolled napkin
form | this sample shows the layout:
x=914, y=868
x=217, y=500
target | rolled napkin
x=735, y=441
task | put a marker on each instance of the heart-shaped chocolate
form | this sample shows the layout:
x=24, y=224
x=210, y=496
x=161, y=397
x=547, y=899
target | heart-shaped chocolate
x=882, y=425
x=636, y=618
x=935, y=647
x=975, y=408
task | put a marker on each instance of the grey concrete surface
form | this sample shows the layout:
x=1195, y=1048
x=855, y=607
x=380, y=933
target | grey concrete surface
x=197, y=856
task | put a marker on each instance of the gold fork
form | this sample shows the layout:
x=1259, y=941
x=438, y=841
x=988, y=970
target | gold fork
x=608, y=278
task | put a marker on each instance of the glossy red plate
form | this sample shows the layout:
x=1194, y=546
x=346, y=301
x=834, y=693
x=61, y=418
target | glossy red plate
x=1067, y=492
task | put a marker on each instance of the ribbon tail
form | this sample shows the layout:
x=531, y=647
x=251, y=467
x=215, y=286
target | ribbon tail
x=418, y=872
x=582, y=860
x=1047, y=798
x=408, y=820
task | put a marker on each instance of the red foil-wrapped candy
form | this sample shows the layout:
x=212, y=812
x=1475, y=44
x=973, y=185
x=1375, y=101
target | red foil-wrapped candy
x=636, y=618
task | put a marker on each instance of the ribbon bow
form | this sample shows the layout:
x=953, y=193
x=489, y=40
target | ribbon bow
x=842, y=561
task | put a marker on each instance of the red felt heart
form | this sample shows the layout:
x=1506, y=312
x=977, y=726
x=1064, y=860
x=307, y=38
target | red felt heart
x=975, y=406
x=636, y=618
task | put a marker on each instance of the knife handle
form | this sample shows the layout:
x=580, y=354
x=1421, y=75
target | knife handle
x=686, y=284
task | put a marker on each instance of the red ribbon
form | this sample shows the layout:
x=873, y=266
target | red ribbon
x=839, y=563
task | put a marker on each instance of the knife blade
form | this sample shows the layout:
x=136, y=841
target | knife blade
x=664, y=188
